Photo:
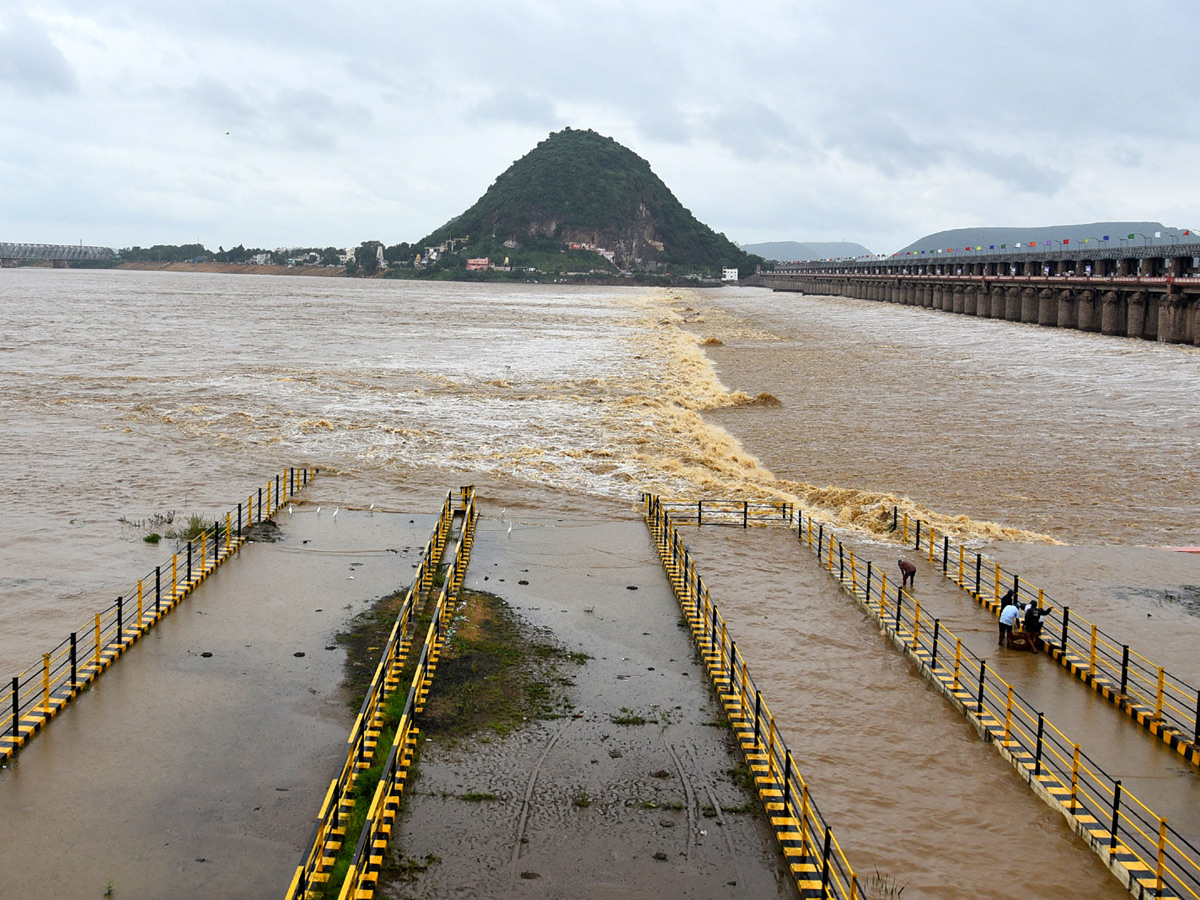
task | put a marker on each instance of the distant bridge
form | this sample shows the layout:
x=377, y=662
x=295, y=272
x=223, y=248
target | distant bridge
x=58, y=254
x=1144, y=292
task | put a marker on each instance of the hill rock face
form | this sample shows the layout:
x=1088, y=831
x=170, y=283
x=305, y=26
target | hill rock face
x=579, y=187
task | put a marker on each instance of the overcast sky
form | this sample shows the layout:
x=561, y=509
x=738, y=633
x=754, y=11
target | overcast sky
x=296, y=123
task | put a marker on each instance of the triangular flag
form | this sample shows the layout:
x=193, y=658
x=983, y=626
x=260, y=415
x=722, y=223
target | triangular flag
x=1132, y=236
x=1005, y=246
x=1106, y=237
x=1066, y=241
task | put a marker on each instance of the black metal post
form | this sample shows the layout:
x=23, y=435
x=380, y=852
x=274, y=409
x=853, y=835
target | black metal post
x=978, y=560
x=1066, y=622
x=239, y=520
x=820, y=538
x=1112, y=839
x=699, y=512
x=1037, y=757
x=917, y=545
x=1196, y=739
x=841, y=562
x=979, y=699
x=945, y=552
x=189, y=567
x=157, y=590
x=16, y=703
x=825, y=859
x=895, y=517
x=787, y=782
x=120, y=619
x=1124, y=666
x=868, y=596
x=899, y=602
x=260, y=504
x=745, y=513
x=74, y=661
x=937, y=627
x=757, y=711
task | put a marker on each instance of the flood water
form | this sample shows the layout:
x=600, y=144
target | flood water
x=130, y=394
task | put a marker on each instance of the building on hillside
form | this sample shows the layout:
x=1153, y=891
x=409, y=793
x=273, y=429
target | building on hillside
x=729, y=274
x=479, y=265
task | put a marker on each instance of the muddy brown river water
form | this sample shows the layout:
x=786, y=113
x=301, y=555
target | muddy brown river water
x=131, y=394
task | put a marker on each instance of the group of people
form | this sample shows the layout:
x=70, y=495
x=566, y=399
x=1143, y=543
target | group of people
x=1012, y=614
x=1029, y=617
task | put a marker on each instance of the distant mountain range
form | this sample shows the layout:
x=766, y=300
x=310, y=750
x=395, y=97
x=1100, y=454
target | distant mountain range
x=792, y=251
x=1112, y=233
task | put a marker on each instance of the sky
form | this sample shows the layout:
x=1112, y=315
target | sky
x=287, y=124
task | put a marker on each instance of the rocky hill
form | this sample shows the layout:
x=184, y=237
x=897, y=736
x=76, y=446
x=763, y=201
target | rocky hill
x=581, y=190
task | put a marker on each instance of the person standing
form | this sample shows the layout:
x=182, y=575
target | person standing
x=909, y=573
x=1010, y=614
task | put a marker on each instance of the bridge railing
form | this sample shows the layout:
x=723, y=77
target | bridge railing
x=1140, y=685
x=1128, y=832
x=362, y=876
x=817, y=860
x=740, y=513
x=38, y=693
x=326, y=837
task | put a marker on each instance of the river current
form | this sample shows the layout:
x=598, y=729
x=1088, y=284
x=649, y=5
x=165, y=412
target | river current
x=130, y=395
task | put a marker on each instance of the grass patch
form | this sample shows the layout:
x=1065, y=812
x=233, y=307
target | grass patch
x=494, y=674
x=478, y=797
x=627, y=717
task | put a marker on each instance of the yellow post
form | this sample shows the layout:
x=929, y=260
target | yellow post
x=1008, y=714
x=917, y=626
x=284, y=493
x=853, y=576
x=1158, y=704
x=960, y=565
x=957, y=660
x=932, y=535
x=1074, y=777
x=269, y=506
x=139, y=604
x=906, y=528
x=771, y=746
x=742, y=688
x=882, y=594
x=174, y=574
x=250, y=511
x=46, y=682
x=97, y=654
x=810, y=532
x=1041, y=597
x=829, y=555
x=803, y=820
x=1092, y=654
x=996, y=595
x=228, y=533
x=722, y=654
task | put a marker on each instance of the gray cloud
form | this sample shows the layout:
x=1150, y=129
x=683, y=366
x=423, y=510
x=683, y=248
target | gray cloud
x=30, y=62
x=521, y=107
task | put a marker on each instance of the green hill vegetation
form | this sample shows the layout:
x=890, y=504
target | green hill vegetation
x=583, y=189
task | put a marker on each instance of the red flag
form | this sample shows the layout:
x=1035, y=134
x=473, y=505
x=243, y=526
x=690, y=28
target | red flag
x=1067, y=241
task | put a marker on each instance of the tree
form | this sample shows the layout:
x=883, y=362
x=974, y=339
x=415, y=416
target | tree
x=367, y=256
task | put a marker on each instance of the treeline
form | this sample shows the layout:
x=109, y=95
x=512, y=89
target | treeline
x=198, y=253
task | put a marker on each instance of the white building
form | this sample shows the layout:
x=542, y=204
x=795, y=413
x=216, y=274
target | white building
x=729, y=274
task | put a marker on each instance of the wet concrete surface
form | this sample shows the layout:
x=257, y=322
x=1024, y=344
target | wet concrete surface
x=584, y=806
x=184, y=775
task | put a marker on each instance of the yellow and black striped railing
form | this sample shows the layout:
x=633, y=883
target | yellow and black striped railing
x=814, y=857
x=329, y=834
x=1163, y=704
x=38, y=694
x=1151, y=857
